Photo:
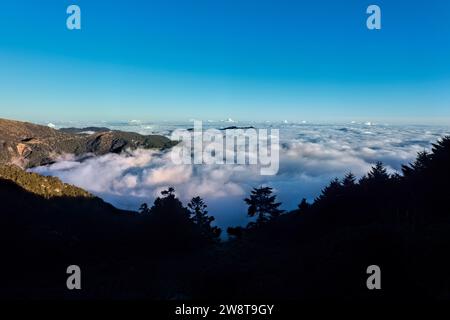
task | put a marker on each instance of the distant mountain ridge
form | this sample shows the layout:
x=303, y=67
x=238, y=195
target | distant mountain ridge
x=84, y=130
x=29, y=145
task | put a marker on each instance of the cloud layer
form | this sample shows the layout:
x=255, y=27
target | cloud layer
x=310, y=156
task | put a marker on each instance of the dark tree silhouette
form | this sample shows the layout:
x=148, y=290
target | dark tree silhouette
x=421, y=163
x=169, y=223
x=169, y=207
x=303, y=206
x=262, y=204
x=331, y=191
x=440, y=149
x=169, y=192
x=378, y=173
x=349, y=180
x=235, y=232
x=168, y=196
x=144, y=209
x=200, y=217
x=399, y=222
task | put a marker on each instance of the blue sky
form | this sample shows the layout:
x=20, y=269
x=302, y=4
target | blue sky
x=240, y=59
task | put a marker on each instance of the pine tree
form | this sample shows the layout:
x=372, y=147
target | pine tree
x=378, y=173
x=440, y=149
x=262, y=204
x=330, y=191
x=303, y=206
x=199, y=215
x=422, y=161
x=349, y=180
x=168, y=207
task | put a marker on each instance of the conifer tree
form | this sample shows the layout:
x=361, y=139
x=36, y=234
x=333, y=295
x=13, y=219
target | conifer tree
x=199, y=215
x=262, y=204
x=303, y=206
x=349, y=180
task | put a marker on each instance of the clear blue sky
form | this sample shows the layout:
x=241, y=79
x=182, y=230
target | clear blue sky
x=214, y=59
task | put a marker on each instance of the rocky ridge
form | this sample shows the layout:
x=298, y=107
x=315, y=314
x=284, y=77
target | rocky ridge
x=29, y=145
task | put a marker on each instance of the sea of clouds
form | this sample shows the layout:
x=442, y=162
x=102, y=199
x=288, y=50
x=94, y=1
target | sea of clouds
x=310, y=156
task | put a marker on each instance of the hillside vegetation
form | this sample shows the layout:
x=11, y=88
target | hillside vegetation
x=29, y=145
x=46, y=187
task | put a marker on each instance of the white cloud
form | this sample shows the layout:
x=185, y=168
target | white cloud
x=310, y=156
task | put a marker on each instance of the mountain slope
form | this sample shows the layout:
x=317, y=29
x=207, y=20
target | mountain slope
x=121, y=253
x=47, y=187
x=29, y=145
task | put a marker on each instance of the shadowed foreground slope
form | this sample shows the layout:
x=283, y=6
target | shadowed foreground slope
x=321, y=250
x=46, y=225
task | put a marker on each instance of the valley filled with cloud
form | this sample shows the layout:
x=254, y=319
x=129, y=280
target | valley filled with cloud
x=310, y=156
